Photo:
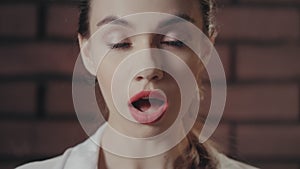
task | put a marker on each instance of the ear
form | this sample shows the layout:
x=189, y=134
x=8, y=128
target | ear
x=213, y=36
x=86, y=55
x=213, y=33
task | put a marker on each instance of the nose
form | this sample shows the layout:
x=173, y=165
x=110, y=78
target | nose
x=148, y=57
x=150, y=75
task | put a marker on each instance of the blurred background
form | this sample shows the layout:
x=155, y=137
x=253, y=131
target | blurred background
x=258, y=44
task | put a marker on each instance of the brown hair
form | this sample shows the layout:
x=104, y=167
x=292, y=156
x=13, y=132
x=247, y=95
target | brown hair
x=196, y=155
x=208, y=8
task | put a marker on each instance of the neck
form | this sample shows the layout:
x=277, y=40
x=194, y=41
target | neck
x=165, y=160
x=119, y=151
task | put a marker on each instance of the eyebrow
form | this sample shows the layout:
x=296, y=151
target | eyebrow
x=177, y=19
x=113, y=20
x=117, y=21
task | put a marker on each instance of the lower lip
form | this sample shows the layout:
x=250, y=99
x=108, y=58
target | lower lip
x=148, y=117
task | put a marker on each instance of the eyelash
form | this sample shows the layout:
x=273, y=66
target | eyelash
x=126, y=45
x=122, y=45
x=175, y=43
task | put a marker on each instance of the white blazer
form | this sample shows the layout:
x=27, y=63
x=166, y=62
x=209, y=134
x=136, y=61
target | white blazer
x=85, y=156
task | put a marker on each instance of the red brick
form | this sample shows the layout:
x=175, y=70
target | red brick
x=269, y=141
x=16, y=138
x=59, y=101
x=62, y=20
x=36, y=58
x=59, y=98
x=279, y=166
x=225, y=56
x=284, y=2
x=43, y=138
x=262, y=103
x=53, y=138
x=9, y=165
x=223, y=2
x=18, y=98
x=18, y=20
x=258, y=23
x=268, y=62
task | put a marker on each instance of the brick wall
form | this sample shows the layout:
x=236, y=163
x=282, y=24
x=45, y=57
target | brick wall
x=258, y=44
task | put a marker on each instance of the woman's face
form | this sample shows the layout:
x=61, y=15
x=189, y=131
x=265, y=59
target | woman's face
x=149, y=87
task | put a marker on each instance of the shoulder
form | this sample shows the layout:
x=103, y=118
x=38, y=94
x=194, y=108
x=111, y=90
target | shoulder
x=228, y=163
x=72, y=158
x=54, y=163
x=224, y=162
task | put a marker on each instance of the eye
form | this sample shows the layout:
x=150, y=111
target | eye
x=172, y=42
x=121, y=45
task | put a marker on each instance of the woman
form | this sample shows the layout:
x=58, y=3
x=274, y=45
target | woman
x=154, y=96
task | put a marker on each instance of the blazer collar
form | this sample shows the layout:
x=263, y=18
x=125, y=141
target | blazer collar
x=85, y=155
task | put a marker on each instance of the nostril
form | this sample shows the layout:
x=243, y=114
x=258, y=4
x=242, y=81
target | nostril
x=159, y=75
x=155, y=77
x=150, y=75
x=139, y=78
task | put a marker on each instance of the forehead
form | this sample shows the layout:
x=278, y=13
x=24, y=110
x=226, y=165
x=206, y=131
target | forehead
x=101, y=9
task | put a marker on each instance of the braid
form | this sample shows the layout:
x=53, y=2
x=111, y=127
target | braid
x=208, y=8
x=195, y=156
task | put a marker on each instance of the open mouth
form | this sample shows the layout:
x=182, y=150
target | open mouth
x=148, y=106
x=145, y=103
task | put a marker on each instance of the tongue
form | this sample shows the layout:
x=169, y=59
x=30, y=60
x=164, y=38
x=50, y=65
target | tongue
x=144, y=105
x=148, y=105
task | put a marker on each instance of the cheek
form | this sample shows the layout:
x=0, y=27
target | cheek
x=104, y=76
x=107, y=67
x=106, y=71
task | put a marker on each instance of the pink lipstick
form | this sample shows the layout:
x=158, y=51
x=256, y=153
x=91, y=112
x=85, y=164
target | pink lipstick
x=147, y=107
